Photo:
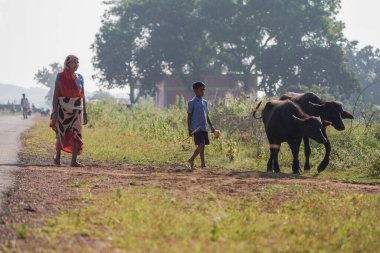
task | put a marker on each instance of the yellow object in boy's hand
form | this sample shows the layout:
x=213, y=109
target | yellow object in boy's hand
x=217, y=134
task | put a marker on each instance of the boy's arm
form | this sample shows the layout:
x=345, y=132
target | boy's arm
x=190, y=109
x=210, y=124
x=189, y=123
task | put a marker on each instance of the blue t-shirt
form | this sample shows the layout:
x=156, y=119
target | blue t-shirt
x=198, y=109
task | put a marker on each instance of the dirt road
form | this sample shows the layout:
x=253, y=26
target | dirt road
x=10, y=129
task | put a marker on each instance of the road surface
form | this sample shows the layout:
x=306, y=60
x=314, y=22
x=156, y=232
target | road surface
x=11, y=128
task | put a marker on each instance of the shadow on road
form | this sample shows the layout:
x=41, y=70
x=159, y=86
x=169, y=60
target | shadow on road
x=255, y=174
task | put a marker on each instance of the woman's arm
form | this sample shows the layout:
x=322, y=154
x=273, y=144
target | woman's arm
x=85, y=117
x=55, y=100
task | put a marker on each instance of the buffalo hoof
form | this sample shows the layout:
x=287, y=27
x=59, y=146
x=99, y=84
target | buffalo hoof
x=297, y=172
x=322, y=167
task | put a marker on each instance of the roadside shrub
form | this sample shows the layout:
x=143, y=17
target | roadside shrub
x=243, y=142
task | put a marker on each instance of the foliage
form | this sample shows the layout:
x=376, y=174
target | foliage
x=47, y=78
x=22, y=231
x=149, y=135
x=285, y=44
x=365, y=64
x=103, y=96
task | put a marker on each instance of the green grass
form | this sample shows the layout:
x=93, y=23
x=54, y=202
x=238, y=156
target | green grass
x=282, y=218
x=153, y=220
x=151, y=136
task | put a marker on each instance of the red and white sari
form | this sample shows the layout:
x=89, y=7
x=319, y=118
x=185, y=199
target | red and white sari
x=68, y=125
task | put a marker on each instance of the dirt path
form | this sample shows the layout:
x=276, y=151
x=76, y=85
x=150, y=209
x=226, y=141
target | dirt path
x=11, y=128
x=221, y=181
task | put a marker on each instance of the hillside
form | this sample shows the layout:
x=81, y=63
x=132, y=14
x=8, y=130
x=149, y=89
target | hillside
x=13, y=93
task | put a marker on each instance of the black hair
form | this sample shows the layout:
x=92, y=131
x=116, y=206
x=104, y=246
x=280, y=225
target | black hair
x=197, y=85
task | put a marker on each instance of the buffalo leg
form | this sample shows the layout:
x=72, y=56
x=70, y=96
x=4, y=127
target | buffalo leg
x=271, y=160
x=272, y=165
x=276, y=166
x=307, y=153
x=322, y=166
x=295, y=147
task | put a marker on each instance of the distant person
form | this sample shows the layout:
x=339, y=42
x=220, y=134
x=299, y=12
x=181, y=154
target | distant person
x=25, y=106
x=197, y=120
x=69, y=111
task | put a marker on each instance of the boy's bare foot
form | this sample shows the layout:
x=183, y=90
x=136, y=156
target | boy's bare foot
x=190, y=164
x=76, y=164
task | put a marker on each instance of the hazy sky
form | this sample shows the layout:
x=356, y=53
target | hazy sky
x=35, y=33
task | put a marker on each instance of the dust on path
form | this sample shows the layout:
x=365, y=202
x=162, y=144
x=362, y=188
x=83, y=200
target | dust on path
x=11, y=128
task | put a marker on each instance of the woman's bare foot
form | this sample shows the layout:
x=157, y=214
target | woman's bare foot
x=76, y=164
x=57, y=162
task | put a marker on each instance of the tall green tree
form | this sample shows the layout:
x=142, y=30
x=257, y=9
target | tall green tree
x=142, y=41
x=285, y=44
x=365, y=64
x=46, y=77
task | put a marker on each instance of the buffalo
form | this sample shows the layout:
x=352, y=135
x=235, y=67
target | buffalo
x=331, y=111
x=285, y=121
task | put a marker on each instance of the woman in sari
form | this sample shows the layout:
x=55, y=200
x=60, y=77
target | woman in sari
x=69, y=111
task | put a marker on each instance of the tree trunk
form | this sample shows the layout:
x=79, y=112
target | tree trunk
x=246, y=78
x=132, y=93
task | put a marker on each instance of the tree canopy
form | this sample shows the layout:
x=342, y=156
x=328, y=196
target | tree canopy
x=46, y=77
x=285, y=44
x=365, y=63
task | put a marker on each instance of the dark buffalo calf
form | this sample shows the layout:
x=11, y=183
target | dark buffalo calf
x=331, y=111
x=285, y=122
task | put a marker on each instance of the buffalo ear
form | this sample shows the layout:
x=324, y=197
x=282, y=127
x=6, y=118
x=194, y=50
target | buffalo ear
x=347, y=115
x=326, y=123
x=299, y=120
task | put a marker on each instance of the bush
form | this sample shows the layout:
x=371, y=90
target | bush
x=147, y=134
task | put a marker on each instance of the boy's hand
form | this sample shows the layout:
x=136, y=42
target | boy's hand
x=85, y=118
x=212, y=129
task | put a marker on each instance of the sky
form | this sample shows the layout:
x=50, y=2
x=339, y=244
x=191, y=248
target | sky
x=36, y=33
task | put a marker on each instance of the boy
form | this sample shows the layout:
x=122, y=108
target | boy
x=197, y=119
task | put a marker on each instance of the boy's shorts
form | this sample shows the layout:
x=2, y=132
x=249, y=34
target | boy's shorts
x=201, y=138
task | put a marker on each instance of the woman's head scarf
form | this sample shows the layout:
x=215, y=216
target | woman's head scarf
x=69, y=59
x=67, y=81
